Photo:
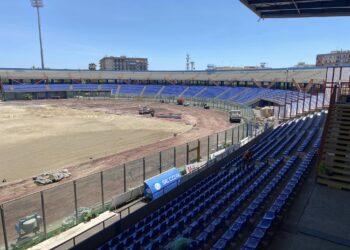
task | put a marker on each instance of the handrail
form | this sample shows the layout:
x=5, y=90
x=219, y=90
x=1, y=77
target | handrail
x=326, y=126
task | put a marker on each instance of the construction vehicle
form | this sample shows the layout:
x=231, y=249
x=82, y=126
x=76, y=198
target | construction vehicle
x=28, y=226
x=235, y=116
x=145, y=110
x=180, y=101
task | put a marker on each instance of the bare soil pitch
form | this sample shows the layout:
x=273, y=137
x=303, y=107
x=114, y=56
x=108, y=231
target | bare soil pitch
x=88, y=136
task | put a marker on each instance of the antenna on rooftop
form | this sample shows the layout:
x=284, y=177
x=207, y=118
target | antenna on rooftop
x=192, y=66
x=188, y=62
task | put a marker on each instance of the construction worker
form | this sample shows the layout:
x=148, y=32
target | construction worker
x=247, y=158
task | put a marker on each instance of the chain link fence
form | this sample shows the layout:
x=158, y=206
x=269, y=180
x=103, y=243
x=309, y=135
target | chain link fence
x=28, y=220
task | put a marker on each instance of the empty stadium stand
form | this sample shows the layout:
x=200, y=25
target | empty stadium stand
x=131, y=89
x=233, y=207
x=296, y=103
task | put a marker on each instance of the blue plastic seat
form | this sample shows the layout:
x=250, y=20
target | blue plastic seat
x=145, y=240
x=151, y=246
x=220, y=244
x=264, y=224
x=202, y=238
x=269, y=215
x=230, y=235
x=137, y=234
x=211, y=228
x=161, y=239
x=128, y=241
x=188, y=232
x=258, y=233
x=252, y=243
x=235, y=227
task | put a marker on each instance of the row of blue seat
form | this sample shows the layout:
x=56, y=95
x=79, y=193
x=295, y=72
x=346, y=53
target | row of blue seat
x=243, y=95
x=211, y=203
x=307, y=140
x=292, y=145
x=125, y=238
x=242, y=219
x=190, y=214
x=266, y=222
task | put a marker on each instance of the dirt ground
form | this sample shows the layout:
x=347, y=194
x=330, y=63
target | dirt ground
x=88, y=136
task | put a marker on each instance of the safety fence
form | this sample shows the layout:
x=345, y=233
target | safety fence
x=318, y=99
x=223, y=105
x=28, y=220
x=130, y=208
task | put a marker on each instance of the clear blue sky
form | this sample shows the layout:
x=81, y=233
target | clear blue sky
x=77, y=32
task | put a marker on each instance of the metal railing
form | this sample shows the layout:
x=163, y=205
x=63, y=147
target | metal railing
x=163, y=190
x=61, y=207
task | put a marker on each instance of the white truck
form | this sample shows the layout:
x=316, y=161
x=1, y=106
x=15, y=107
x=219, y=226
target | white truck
x=235, y=116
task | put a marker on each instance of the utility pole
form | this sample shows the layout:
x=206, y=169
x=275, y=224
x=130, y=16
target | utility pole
x=39, y=4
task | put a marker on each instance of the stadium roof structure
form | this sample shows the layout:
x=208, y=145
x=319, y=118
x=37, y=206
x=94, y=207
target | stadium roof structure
x=298, y=8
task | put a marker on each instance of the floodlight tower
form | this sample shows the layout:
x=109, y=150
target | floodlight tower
x=39, y=4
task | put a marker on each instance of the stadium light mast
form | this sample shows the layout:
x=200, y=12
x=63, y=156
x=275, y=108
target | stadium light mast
x=39, y=4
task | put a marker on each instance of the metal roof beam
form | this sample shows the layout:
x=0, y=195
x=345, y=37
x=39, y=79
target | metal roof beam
x=305, y=6
x=298, y=8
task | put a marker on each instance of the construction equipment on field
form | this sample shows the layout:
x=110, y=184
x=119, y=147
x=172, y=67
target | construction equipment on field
x=28, y=225
x=145, y=110
x=180, y=100
x=235, y=116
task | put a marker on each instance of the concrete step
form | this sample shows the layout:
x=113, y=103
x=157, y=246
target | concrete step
x=336, y=177
x=336, y=147
x=337, y=164
x=333, y=183
x=343, y=159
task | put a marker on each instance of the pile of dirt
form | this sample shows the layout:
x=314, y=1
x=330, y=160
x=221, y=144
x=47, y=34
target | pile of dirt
x=51, y=177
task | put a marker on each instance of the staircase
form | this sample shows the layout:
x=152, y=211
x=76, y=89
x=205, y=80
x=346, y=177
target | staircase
x=334, y=168
x=183, y=92
x=160, y=91
x=143, y=90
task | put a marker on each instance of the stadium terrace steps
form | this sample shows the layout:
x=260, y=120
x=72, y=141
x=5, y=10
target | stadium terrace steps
x=129, y=89
x=212, y=92
x=222, y=93
x=143, y=90
x=152, y=90
x=160, y=91
x=335, y=165
x=240, y=95
x=200, y=92
x=172, y=90
x=234, y=207
x=193, y=91
x=118, y=90
x=183, y=92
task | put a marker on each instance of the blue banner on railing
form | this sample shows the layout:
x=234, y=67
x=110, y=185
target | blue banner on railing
x=160, y=184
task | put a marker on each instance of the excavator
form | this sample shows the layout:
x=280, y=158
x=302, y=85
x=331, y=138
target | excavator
x=145, y=110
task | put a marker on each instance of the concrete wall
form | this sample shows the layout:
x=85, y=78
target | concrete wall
x=302, y=75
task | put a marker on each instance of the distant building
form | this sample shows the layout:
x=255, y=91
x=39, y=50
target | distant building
x=211, y=67
x=92, y=66
x=304, y=65
x=334, y=58
x=124, y=63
